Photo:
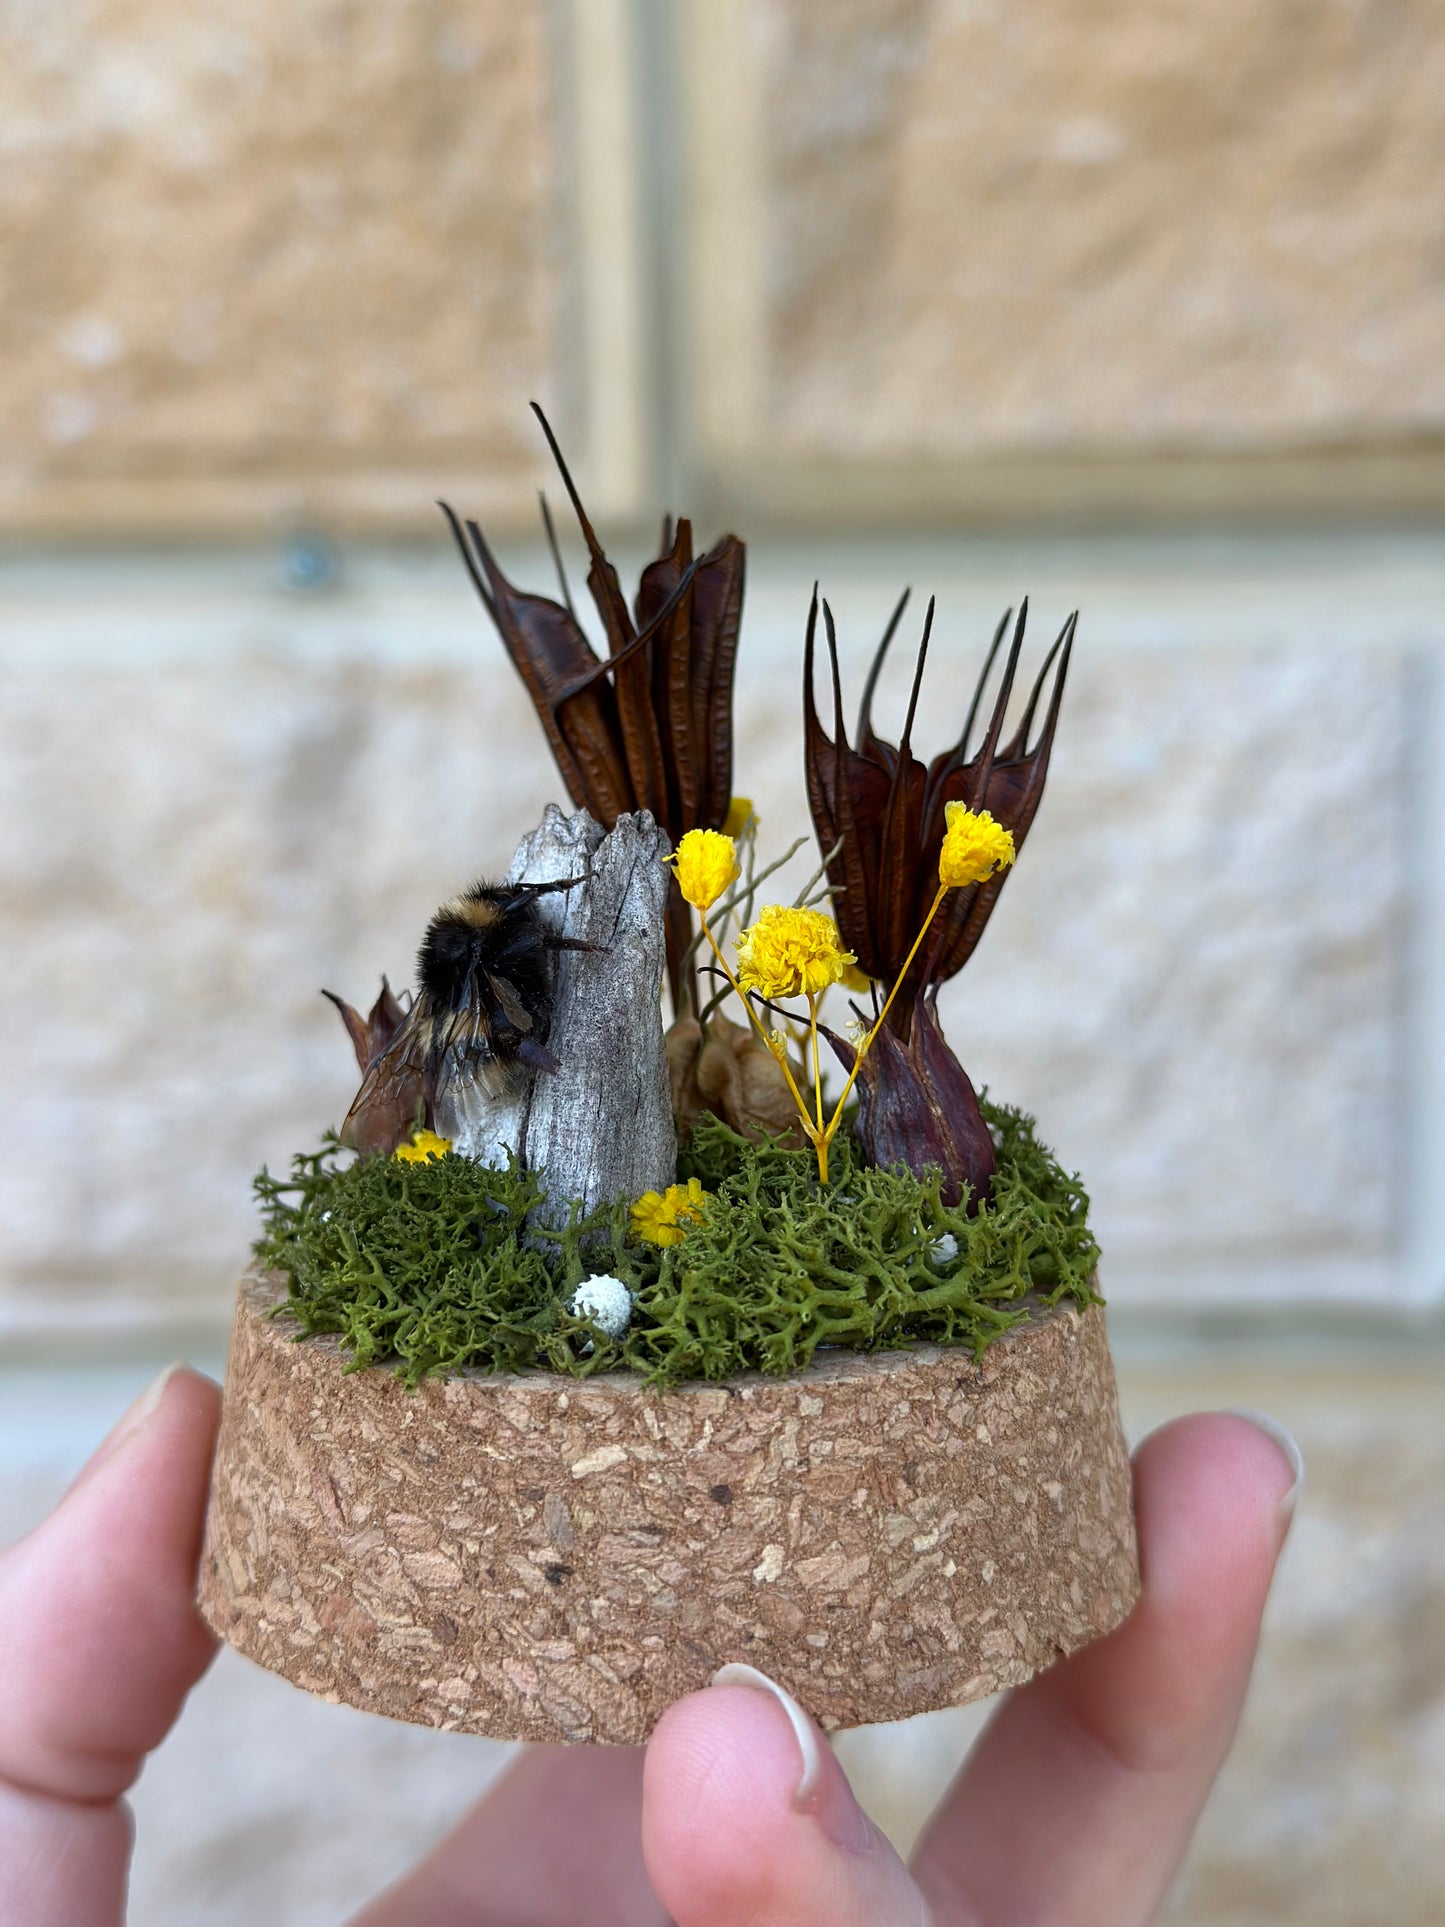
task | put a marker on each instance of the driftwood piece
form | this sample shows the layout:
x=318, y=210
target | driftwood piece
x=535, y=1557
x=600, y=1126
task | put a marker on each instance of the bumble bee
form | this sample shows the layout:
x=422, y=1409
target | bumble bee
x=482, y=1011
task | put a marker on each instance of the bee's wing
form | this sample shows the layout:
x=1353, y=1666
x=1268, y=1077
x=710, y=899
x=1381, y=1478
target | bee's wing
x=395, y=1092
x=513, y=1009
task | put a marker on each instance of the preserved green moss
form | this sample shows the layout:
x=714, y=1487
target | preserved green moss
x=441, y=1266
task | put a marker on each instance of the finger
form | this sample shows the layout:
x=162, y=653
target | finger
x=747, y=1816
x=1080, y=1798
x=100, y=1642
x=555, y=1841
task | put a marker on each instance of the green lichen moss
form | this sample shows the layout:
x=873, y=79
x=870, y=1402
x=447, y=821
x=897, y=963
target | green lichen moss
x=433, y=1267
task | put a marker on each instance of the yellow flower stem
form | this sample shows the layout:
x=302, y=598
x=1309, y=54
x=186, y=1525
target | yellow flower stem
x=808, y=1124
x=863, y=1048
x=821, y=1140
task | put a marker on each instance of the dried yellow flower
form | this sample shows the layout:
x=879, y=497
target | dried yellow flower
x=740, y=814
x=664, y=1217
x=975, y=847
x=791, y=953
x=424, y=1146
x=706, y=863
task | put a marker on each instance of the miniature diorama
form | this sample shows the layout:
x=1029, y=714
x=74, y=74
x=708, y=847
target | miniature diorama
x=605, y=1345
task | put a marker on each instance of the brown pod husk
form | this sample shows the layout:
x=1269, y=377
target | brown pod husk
x=727, y=1073
x=538, y=1557
x=917, y=1107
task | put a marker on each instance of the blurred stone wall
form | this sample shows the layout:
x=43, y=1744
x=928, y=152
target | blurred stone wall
x=249, y=272
x=1134, y=308
x=945, y=251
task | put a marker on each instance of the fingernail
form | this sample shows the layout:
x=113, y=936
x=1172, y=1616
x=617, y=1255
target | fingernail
x=149, y=1400
x=131, y=1421
x=822, y=1790
x=1289, y=1449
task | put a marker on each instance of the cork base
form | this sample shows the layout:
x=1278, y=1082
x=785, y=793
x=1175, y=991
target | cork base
x=540, y=1558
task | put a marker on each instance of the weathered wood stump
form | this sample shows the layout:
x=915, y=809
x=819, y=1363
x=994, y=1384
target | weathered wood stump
x=534, y=1557
x=600, y=1125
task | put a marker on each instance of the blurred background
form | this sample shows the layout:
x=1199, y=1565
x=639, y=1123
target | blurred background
x=1137, y=308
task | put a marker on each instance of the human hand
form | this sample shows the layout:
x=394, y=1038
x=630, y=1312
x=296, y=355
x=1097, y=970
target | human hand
x=1075, y=1805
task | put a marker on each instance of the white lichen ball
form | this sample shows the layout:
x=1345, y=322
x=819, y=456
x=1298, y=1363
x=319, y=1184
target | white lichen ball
x=944, y=1249
x=606, y=1301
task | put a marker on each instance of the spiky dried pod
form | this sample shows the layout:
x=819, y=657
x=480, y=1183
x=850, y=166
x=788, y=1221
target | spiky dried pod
x=650, y=725
x=402, y=1102
x=883, y=810
x=370, y=1034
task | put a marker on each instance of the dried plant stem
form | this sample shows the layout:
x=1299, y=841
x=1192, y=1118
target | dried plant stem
x=810, y=893
x=864, y=1046
x=820, y=1135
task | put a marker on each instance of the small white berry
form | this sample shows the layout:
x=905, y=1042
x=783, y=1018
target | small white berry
x=606, y=1301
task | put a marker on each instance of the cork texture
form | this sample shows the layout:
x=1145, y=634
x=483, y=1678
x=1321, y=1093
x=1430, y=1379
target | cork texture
x=545, y=1559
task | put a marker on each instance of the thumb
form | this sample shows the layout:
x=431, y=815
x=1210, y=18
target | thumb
x=746, y=1815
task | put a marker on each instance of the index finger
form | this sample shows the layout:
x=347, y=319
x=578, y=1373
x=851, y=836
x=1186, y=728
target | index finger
x=1080, y=1797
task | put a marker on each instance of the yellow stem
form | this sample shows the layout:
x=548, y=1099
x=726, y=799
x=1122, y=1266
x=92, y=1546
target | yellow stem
x=817, y=1065
x=808, y=1126
x=864, y=1047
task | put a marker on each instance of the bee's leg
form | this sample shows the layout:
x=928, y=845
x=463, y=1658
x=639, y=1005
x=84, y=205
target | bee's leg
x=536, y=1056
x=543, y=889
x=550, y=942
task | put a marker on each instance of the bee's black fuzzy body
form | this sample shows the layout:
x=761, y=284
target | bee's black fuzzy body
x=485, y=972
x=485, y=987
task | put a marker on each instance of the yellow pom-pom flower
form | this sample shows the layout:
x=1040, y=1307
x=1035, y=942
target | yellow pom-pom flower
x=706, y=863
x=975, y=847
x=424, y=1146
x=740, y=814
x=791, y=953
x=665, y=1217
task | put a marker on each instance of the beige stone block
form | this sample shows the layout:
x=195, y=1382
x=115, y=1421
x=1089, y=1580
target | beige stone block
x=935, y=242
x=276, y=264
x=219, y=842
x=1192, y=980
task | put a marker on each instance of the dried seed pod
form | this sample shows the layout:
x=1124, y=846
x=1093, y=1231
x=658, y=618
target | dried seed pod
x=883, y=810
x=370, y=1034
x=394, y=1105
x=916, y=1106
x=650, y=725
x=883, y=813
x=728, y=1072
